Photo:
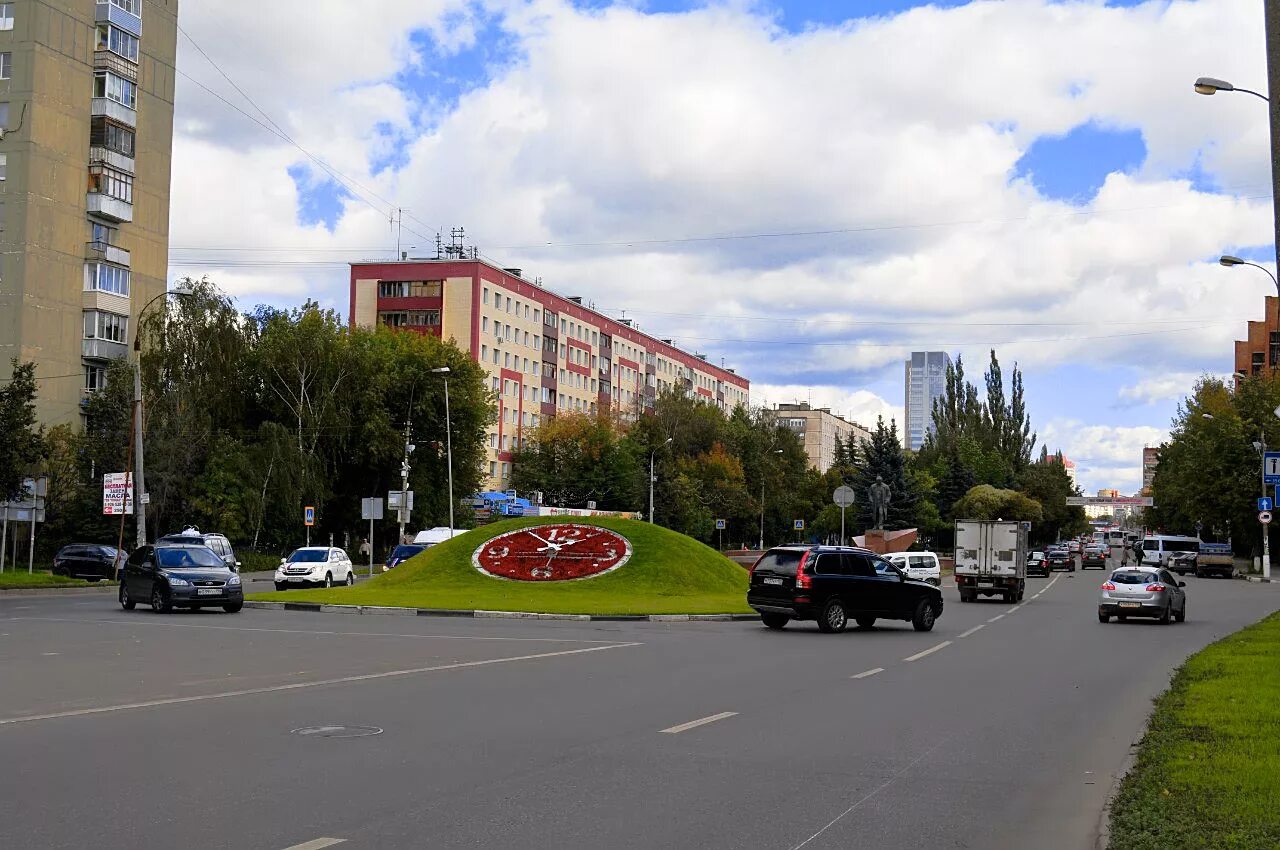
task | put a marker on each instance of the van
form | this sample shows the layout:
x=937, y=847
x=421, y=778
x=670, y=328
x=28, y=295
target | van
x=1156, y=549
x=920, y=566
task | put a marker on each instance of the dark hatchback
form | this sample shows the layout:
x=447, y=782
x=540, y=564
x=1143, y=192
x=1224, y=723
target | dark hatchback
x=402, y=553
x=833, y=585
x=92, y=561
x=167, y=576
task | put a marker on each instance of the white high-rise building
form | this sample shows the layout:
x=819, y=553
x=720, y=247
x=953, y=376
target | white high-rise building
x=926, y=380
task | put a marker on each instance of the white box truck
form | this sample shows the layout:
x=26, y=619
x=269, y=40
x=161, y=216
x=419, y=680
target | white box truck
x=991, y=559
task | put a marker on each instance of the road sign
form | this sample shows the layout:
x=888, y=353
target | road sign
x=1264, y=517
x=308, y=515
x=720, y=525
x=1122, y=501
x=370, y=509
x=1264, y=503
x=798, y=525
x=1271, y=467
x=117, y=493
x=394, y=501
x=844, y=496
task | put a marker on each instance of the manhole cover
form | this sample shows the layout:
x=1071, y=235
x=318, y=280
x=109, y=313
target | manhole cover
x=337, y=731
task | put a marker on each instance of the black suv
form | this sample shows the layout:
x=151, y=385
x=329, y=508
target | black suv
x=92, y=561
x=179, y=575
x=835, y=584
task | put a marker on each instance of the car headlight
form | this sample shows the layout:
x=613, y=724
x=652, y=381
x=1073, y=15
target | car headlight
x=174, y=581
x=234, y=580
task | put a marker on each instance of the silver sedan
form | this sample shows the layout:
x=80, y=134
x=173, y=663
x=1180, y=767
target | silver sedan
x=1142, y=592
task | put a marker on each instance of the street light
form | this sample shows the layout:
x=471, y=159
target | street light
x=651, y=459
x=1229, y=261
x=1212, y=85
x=448, y=436
x=776, y=452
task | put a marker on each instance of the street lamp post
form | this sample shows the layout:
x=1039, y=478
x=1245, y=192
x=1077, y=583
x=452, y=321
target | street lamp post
x=1212, y=85
x=1261, y=446
x=776, y=452
x=652, y=455
x=448, y=438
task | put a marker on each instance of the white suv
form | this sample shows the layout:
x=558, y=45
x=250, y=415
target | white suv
x=323, y=565
x=919, y=566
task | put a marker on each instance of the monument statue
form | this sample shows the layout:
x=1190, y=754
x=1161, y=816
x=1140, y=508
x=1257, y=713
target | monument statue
x=879, y=495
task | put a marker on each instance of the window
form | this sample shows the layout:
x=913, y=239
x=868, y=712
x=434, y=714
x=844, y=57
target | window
x=117, y=41
x=114, y=137
x=108, y=326
x=392, y=289
x=484, y=324
x=106, y=180
x=6, y=65
x=537, y=341
x=493, y=468
x=506, y=470
x=484, y=296
x=6, y=16
x=493, y=441
x=95, y=378
x=133, y=7
x=484, y=352
x=101, y=234
x=103, y=277
x=506, y=359
x=537, y=315
x=508, y=305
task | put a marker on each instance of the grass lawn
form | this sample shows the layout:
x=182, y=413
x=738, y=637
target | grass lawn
x=668, y=573
x=10, y=580
x=1208, y=771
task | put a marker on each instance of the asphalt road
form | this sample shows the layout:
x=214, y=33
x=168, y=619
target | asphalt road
x=1003, y=728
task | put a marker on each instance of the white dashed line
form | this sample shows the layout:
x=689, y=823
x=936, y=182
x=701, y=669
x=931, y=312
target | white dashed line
x=865, y=673
x=971, y=631
x=996, y=617
x=694, y=724
x=317, y=844
x=928, y=651
x=1014, y=608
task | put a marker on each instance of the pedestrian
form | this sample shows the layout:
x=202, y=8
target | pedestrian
x=364, y=547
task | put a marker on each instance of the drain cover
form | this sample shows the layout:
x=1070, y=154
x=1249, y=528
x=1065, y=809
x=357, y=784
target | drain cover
x=337, y=731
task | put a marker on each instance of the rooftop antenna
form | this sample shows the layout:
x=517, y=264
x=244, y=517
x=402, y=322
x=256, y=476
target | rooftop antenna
x=439, y=245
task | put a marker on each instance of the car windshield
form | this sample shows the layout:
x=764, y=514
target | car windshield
x=309, y=556
x=188, y=556
x=1035, y=556
x=1133, y=578
x=406, y=551
x=780, y=562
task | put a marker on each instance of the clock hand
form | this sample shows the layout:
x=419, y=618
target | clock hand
x=548, y=542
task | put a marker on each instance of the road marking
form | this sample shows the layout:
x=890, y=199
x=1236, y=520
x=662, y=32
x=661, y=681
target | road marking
x=865, y=673
x=142, y=621
x=294, y=686
x=928, y=651
x=996, y=617
x=1014, y=608
x=694, y=724
x=317, y=844
x=974, y=629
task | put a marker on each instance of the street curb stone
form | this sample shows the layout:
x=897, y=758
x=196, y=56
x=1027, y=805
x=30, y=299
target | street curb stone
x=494, y=615
x=57, y=591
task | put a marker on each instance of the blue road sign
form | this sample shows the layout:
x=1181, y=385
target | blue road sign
x=799, y=525
x=308, y=515
x=720, y=524
x=1264, y=503
x=1271, y=467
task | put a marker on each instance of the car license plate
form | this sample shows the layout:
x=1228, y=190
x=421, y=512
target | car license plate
x=773, y=581
x=984, y=581
x=1130, y=604
x=208, y=591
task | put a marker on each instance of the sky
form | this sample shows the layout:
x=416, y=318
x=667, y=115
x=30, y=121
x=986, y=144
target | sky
x=806, y=191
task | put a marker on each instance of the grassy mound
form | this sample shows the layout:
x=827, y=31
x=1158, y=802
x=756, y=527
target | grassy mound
x=21, y=579
x=668, y=573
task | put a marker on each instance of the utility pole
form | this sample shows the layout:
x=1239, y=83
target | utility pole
x=652, y=455
x=1266, y=529
x=404, y=482
x=1271, y=18
x=139, y=482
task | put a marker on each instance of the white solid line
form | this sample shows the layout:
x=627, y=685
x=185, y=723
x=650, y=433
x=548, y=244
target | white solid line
x=143, y=621
x=865, y=673
x=974, y=629
x=694, y=724
x=317, y=844
x=928, y=651
x=1014, y=608
x=294, y=686
x=996, y=617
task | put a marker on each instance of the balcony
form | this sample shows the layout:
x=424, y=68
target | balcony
x=102, y=349
x=108, y=207
x=115, y=159
x=105, y=60
x=105, y=107
x=108, y=253
x=112, y=13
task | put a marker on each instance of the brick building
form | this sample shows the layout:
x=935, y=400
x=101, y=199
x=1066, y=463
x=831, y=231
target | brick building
x=545, y=353
x=1260, y=349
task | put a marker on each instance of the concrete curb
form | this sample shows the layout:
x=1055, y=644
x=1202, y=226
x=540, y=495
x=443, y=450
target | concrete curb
x=1256, y=579
x=1104, y=820
x=58, y=591
x=494, y=615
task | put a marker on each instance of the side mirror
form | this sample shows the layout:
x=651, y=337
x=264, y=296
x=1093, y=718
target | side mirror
x=236, y=567
x=1182, y=584
x=282, y=560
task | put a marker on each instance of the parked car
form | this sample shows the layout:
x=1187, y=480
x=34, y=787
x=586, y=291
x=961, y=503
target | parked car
x=402, y=553
x=1060, y=559
x=323, y=565
x=1094, y=555
x=1038, y=563
x=835, y=584
x=919, y=566
x=193, y=536
x=1156, y=549
x=179, y=575
x=1142, y=592
x=90, y=561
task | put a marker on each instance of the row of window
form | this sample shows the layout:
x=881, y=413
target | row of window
x=113, y=87
x=133, y=7
x=104, y=277
x=410, y=288
x=104, y=133
x=109, y=326
x=119, y=42
x=410, y=318
x=105, y=180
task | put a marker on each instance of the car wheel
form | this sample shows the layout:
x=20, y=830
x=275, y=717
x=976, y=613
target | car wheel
x=328, y=579
x=126, y=602
x=351, y=577
x=833, y=618
x=233, y=608
x=775, y=621
x=1181, y=614
x=1165, y=617
x=160, y=602
x=865, y=622
x=1104, y=618
x=280, y=585
x=924, y=617
x=936, y=582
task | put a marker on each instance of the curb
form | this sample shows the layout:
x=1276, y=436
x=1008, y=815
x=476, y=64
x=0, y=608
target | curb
x=1256, y=579
x=494, y=615
x=57, y=591
x=1104, y=819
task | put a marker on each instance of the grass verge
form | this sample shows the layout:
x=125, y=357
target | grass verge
x=668, y=573
x=1208, y=771
x=10, y=580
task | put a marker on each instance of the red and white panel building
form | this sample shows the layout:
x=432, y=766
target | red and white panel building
x=545, y=353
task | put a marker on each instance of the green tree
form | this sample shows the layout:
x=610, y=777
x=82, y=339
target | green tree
x=21, y=439
x=1048, y=483
x=985, y=502
x=882, y=457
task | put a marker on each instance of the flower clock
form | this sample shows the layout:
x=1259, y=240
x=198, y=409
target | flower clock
x=560, y=552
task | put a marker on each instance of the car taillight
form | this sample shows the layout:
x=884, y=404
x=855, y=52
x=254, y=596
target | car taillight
x=1044, y=563
x=1155, y=588
x=803, y=582
x=1106, y=585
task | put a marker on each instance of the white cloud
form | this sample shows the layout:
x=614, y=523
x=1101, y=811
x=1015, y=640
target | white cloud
x=1106, y=456
x=860, y=406
x=1160, y=387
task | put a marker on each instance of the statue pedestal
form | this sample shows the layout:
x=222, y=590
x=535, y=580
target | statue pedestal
x=883, y=542
x=874, y=540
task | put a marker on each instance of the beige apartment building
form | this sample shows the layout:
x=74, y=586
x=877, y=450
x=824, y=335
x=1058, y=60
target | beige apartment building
x=819, y=428
x=86, y=105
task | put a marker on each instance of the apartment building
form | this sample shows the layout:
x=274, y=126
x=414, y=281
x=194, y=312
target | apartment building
x=926, y=380
x=1259, y=351
x=818, y=428
x=86, y=106
x=545, y=353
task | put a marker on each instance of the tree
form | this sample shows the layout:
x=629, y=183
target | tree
x=1047, y=483
x=21, y=439
x=882, y=457
x=986, y=503
x=575, y=458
